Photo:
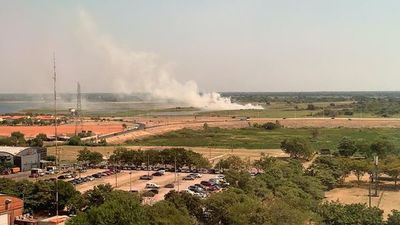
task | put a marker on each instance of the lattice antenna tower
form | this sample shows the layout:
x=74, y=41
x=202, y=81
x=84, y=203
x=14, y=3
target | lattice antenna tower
x=78, y=110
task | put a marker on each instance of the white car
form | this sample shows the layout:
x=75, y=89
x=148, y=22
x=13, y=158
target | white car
x=220, y=176
x=152, y=185
x=197, y=175
x=189, y=191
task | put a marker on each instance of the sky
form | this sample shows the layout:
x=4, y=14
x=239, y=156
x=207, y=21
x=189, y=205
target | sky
x=209, y=45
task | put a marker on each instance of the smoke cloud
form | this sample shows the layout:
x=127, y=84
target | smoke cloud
x=144, y=72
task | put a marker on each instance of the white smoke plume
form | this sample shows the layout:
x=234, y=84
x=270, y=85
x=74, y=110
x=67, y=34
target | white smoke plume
x=143, y=72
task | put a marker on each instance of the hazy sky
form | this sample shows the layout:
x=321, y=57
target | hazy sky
x=280, y=45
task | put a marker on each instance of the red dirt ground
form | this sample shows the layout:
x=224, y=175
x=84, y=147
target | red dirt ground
x=67, y=129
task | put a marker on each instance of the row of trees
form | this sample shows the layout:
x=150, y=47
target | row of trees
x=180, y=156
x=381, y=148
x=18, y=139
x=39, y=196
x=333, y=170
x=89, y=158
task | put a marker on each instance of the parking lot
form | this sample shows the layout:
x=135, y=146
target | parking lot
x=130, y=180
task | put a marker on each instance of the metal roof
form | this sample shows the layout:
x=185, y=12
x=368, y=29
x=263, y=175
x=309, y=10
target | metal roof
x=12, y=150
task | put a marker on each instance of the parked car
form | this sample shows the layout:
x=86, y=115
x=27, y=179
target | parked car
x=161, y=170
x=149, y=194
x=206, y=183
x=202, y=186
x=62, y=177
x=146, y=177
x=157, y=174
x=188, y=191
x=97, y=175
x=152, y=185
x=220, y=176
x=196, y=175
x=196, y=189
x=188, y=177
x=169, y=186
x=155, y=191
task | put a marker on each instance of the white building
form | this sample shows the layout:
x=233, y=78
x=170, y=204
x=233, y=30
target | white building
x=24, y=157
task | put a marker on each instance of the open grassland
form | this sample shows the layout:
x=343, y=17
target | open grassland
x=254, y=138
x=288, y=110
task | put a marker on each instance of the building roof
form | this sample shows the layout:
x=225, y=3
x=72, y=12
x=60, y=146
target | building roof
x=55, y=219
x=12, y=150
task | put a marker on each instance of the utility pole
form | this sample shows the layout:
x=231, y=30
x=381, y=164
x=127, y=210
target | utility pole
x=55, y=125
x=175, y=169
x=130, y=180
x=369, y=194
x=148, y=164
x=376, y=160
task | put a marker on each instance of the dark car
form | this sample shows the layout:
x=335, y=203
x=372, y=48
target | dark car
x=206, y=183
x=146, y=177
x=154, y=190
x=169, y=186
x=157, y=174
x=97, y=175
x=188, y=177
x=201, y=186
x=62, y=177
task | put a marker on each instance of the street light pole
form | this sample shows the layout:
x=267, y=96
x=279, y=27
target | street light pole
x=376, y=160
x=116, y=179
x=130, y=181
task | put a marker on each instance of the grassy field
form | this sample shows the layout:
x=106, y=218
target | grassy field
x=282, y=109
x=253, y=138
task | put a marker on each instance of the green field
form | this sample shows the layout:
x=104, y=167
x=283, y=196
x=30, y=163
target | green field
x=254, y=138
x=290, y=110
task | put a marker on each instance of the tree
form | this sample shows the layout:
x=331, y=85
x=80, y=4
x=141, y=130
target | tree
x=184, y=200
x=359, y=168
x=51, y=158
x=119, y=208
x=347, y=147
x=334, y=213
x=124, y=126
x=270, y=126
x=392, y=168
x=382, y=148
x=166, y=213
x=91, y=158
x=38, y=140
x=17, y=139
x=75, y=140
x=393, y=218
x=311, y=107
x=297, y=148
x=98, y=195
x=232, y=162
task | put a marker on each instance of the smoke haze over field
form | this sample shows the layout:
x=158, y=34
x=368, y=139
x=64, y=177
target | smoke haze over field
x=130, y=71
